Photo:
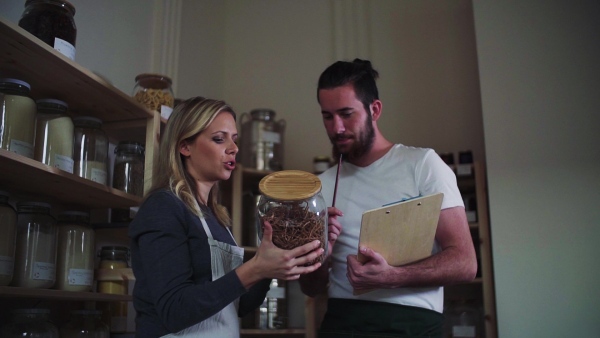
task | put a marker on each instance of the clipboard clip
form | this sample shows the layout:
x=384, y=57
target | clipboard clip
x=402, y=200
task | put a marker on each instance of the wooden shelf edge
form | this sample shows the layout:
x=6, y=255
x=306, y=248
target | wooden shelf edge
x=18, y=292
x=267, y=332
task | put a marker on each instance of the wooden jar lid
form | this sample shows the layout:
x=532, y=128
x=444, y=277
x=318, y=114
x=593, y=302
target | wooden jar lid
x=290, y=185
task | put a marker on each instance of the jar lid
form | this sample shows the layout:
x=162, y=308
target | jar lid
x=87, y=121
x=262, y=114
x=62, y=3
x=74, y=216
x=14, y=84
x=114, y=248
x=130, y=147
x=156, y=81
x=290, y=185
x=33, y=204
x=52, y=103
x=321, y=159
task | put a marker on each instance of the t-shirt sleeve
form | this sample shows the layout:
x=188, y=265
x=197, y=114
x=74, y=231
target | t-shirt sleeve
x=434, y=176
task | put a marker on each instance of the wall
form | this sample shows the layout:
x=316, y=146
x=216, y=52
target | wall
x=271, y=52
x=539, y=81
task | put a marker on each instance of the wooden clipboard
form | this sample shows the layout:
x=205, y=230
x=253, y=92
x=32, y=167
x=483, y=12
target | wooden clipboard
x=402, y=232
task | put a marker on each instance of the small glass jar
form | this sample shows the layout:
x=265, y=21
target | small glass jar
x=54, y=135
x=154, y=91
x=17, y=117
x=114, y=313
x=30, y=323
x=91, y=149
x=51, y=21
x=292, y=203
x=463, y=319
x=128, y=174
x=85, y=324
x=8, y=229
x=75, y=258
x=35, y=263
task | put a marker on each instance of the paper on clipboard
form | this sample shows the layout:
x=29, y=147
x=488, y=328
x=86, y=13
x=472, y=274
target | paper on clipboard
x=401, y=232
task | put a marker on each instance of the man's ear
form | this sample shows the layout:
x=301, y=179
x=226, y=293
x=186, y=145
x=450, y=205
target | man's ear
x=375, y=108
x=184, y=148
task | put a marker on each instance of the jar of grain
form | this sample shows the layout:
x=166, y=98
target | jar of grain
x=17, y=117
x=114, y=313
x=35, y=263
x=51, y=21
x=91, y=149
x=54, y=135
x=292, y=203
x=128, y=174
x=30, y=323
x=154, y=91
x=85, y=323
x=75, y=258
x=8, y=229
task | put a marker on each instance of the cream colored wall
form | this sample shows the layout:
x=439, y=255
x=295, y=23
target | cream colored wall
x=269, y=54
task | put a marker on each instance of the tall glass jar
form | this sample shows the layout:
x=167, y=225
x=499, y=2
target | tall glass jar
x=91, y=149
x=35, y=263
x=52, y=22
x=114, y=313
x=85, y=324
x=292, y=203
x=54, y=135
x=17, y=117
x=30, y=323
x=128, y=174
x=8, y=229
x=155, y=92
x=75, y=259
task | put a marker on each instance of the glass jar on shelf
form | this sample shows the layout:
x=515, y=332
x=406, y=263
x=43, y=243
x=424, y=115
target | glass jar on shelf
x=292, y=203
x=114, y=313
x=155, y=92
x=85, y=324
x=8, y=229
x=91, y=149
x=54, y=135
x=17, y=117
x=35, y=263
x=51, y=21
x=30, y=323
x=75, y=258
x=128, y=175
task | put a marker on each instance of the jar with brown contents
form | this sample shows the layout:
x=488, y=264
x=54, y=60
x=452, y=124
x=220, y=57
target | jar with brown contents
x=154, y=91
x=292, y=203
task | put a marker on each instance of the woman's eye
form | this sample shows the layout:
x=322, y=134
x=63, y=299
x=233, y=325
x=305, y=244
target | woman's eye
x=218, y=139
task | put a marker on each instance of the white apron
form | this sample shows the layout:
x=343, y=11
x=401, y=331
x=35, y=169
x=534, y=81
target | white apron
x=225, y=323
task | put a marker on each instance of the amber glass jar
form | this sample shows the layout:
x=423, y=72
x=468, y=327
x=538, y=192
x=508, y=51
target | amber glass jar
x=292, y=203
x=52, y=21
x=154, y=91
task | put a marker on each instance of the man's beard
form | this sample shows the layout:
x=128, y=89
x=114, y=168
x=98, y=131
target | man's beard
x=362, y=145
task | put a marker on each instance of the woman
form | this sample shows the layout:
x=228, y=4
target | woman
x=190, y=280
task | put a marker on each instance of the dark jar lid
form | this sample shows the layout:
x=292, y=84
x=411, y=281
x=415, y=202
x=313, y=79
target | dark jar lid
x=14, y=86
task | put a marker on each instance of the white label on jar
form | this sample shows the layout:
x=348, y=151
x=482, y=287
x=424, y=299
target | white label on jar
x=44, y=271
x=21, y=148
x=165, y=111
x=6, y=265
x=63, y=162
x=64, y=48
x=270, y=136
x=463, y=331
x=81, y=277
x=98, y=175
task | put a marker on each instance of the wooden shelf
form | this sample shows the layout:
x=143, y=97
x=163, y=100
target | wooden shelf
x=49, y=294
x=272, y=332
x=20, y=173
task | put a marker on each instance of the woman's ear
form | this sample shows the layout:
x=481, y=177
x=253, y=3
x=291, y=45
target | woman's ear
x=184, y=148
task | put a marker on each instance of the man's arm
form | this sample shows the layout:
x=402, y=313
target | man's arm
x=455, y=263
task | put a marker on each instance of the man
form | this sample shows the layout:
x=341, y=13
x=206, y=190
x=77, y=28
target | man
x=408, y=300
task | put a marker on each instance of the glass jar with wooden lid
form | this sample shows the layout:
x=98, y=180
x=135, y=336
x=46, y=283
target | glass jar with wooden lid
x=292, y=203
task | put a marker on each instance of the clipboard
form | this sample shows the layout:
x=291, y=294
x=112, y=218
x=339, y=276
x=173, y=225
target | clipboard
x=402, y=232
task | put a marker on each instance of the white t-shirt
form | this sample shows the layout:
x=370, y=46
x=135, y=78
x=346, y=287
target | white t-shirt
x=403, y=172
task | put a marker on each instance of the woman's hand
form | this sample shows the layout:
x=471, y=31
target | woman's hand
x=273, y=262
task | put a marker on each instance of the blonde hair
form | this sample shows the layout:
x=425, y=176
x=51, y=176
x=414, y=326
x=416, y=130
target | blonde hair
x=188, y=120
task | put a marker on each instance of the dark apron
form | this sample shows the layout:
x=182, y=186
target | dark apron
x=350, y=318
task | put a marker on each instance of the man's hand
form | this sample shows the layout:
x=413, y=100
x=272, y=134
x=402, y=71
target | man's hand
x=368, y=275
